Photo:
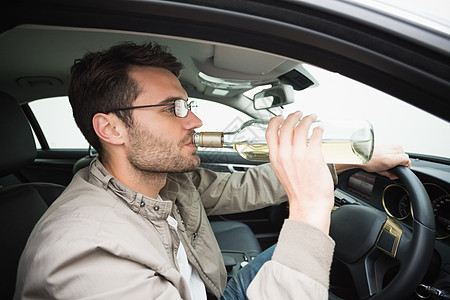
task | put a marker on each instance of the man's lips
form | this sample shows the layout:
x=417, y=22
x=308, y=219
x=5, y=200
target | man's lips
x=189, y=141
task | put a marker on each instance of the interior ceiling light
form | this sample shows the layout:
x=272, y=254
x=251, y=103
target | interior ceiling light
x=230, y=84
x=220, y=92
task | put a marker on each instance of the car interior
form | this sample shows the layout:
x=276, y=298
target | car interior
x=221, y=65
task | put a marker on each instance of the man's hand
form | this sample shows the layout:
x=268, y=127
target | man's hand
x=301, y=169
x=384, y=157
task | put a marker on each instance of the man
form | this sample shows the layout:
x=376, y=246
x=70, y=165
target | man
x=134, y=224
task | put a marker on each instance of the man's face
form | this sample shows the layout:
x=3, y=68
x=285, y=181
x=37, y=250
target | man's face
x=158, y=141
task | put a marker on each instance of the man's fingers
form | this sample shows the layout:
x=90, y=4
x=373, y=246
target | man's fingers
x=315, y=141
x=302, y=130
x=405, y=160
x=287, y=130
x=272, y=137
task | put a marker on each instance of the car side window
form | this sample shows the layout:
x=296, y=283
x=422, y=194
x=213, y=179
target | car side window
x=61, y=131
x=54, y=115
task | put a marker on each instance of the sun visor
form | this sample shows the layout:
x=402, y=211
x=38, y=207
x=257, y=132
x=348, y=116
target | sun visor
x=246, y=61
x=245, y=64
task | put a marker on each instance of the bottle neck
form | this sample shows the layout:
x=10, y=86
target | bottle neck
x=209, y=139
x=214, y=139
x=229, y=139
x=251, y=132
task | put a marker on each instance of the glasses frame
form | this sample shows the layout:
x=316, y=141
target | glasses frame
x=181, y=107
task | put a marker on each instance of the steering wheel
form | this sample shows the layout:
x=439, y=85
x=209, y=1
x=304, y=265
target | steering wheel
x=370, y=243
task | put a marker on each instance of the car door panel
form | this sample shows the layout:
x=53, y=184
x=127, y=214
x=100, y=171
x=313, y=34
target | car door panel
x=265, y=223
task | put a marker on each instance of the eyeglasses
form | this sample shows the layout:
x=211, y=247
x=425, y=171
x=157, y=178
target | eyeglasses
x=181, y=107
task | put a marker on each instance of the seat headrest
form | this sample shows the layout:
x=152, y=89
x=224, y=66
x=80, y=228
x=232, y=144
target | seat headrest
x=82, y=163
x=17, y=148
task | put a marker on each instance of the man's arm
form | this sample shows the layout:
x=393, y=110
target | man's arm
x=384, y=158
x=299, y=268
x=301, y=169
x=93, y=271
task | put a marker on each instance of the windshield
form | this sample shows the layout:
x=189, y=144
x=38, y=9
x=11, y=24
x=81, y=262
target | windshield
x=394, y=121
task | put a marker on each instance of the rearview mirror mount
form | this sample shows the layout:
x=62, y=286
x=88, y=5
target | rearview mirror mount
x=278, y=95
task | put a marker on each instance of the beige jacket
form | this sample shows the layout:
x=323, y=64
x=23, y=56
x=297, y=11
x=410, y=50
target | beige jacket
x=101, y=240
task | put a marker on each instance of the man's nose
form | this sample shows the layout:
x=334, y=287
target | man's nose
x=192, y=121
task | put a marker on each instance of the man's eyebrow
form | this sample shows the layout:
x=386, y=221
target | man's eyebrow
x=170, y=100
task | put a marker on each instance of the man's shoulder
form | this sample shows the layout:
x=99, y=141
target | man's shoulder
x=81, y=203
x=81, y=191
x=85, y=215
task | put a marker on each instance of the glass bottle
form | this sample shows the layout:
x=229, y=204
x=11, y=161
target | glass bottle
x=342, y=141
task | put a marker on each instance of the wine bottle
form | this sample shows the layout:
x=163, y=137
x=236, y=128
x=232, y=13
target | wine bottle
x=342, y=141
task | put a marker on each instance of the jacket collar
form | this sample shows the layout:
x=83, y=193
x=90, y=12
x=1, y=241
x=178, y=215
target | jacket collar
x=154, y=209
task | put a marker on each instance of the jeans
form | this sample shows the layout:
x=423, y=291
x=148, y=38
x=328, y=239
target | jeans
x=236, y=287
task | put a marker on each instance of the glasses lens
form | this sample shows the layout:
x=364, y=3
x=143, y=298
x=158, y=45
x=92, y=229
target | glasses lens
x=181, y=108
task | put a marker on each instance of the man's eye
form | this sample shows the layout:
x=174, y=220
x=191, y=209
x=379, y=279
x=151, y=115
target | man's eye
x=170, y=109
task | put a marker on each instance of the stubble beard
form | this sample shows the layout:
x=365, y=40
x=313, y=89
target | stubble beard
x=151, y=154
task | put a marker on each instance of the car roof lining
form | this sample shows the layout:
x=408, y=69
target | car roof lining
x=35, y=60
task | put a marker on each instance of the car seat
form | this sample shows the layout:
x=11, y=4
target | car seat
x=21, y=205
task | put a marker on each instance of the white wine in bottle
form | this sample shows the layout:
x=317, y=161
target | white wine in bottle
x=342, y=142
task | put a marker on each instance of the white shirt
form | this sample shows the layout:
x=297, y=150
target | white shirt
x=190, y=274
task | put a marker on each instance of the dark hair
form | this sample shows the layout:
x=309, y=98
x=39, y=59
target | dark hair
x=100, y=82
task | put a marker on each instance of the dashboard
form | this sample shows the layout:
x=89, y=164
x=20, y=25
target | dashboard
x=393, y=198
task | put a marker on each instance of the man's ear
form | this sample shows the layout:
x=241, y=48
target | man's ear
x=108, y=128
